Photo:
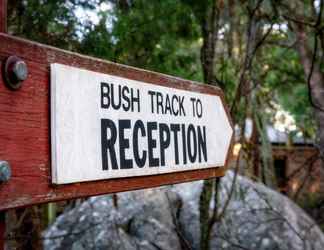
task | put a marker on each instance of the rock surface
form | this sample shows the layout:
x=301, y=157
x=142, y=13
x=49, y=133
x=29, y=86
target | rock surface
x=168, y=218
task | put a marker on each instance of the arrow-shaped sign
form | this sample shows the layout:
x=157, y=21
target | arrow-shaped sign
x=127, y=127
x=104, y=127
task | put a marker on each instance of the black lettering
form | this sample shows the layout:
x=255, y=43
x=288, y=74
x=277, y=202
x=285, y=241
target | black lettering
x=139, y=126
x=167, y=105
x=183, y=133
x=126, y=98
x=151, y=93
x=113, y=98
x=175, y=128
x=193, y=106
x=182, y=111
x=108, y=144
x=124, y=144
x=153, y=162
x=202, y=144
x=199, y=108
x=164, y=133
x=159, y=102
x=192, y=147
x=135, y=99
x=105, y=101
x=174, y=97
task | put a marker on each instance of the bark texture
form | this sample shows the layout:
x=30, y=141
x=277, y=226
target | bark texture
x=315, y=79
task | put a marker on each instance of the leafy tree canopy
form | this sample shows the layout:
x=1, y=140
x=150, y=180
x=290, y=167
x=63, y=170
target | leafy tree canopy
x=166, y=36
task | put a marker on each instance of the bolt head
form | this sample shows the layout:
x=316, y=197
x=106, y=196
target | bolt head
x=20, y=71
x=5, y=171
x=15, y=72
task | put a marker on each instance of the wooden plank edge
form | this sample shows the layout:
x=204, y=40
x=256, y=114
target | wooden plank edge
x=193, y=175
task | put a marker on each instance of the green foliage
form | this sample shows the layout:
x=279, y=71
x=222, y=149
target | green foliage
x=156, y=35
x=286, y=82
x=165, y=36
x=47, y=21
x=227, y=72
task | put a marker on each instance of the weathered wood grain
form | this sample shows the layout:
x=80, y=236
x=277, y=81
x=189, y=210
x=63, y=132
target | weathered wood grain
x=25, y=127
x=3, y=28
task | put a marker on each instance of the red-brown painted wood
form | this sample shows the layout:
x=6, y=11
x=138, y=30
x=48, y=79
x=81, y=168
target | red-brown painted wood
x=3, y=16
x=25, y=128
x=3, y=28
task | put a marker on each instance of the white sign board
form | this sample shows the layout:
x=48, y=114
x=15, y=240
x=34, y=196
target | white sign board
x=104, y=126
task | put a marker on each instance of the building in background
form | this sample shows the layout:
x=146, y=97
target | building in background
x=295, y=160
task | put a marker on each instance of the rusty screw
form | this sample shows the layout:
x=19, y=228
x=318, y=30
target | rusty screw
x=15, y=72
x=5, y=171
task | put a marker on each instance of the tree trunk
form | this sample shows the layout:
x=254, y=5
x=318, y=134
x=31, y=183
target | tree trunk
x=316, y=84
x=209, y=27
x=315, y=81
x=204, y=205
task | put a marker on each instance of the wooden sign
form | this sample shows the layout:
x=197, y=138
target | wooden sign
x=105, y=126
x=83, y=146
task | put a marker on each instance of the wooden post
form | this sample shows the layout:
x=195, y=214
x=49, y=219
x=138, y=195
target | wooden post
x=3, y=16
x=3, y=29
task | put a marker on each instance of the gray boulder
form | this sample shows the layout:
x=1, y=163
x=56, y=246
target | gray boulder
x=168, y=218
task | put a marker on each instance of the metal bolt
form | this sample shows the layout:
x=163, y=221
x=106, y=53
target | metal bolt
x=15, y=72
x=20, y=70
x=5, y=171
